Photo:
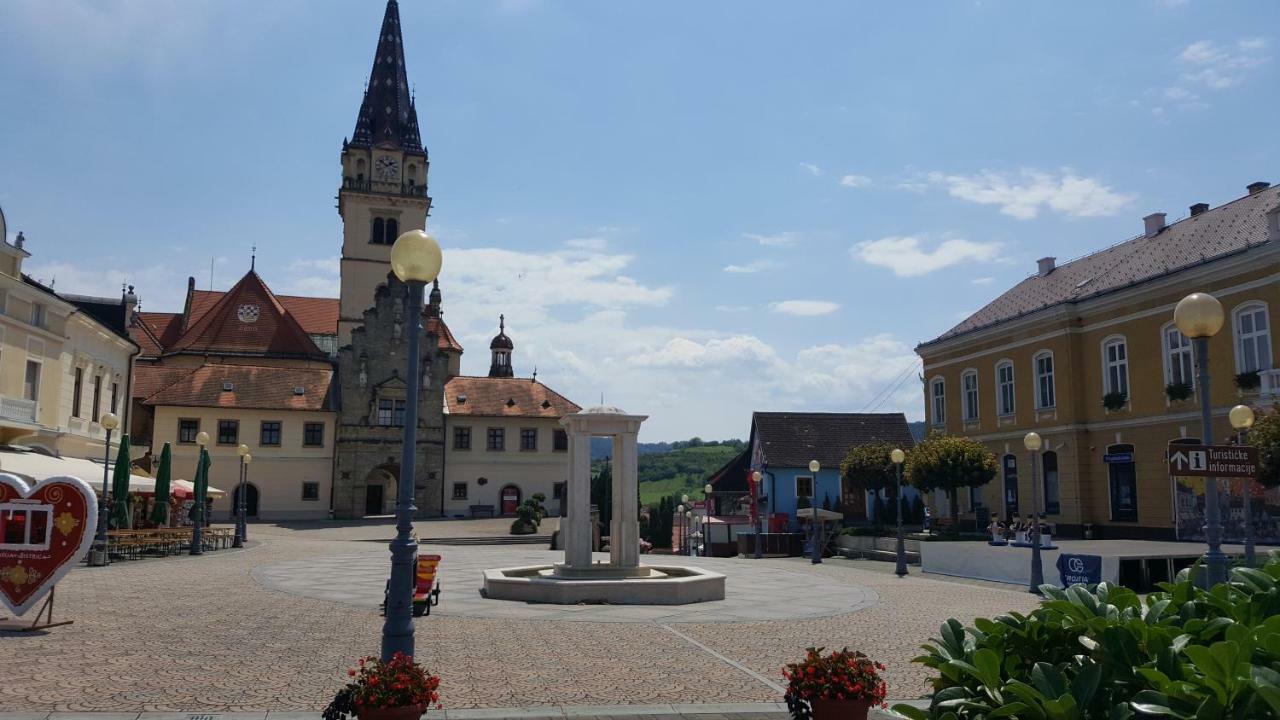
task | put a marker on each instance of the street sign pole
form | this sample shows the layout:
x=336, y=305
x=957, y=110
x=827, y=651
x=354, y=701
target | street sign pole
x=1249, y=552
x=1215, y=560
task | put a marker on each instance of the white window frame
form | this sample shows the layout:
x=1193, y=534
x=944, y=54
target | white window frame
x=938, y=401
x=1251, y=307
x=1169, y=352
x=1053, y=379
x=1120, y=365
x=813, y=488
x=969, y=396
x=35, y=389
x=1013, y=390
x=39, y=315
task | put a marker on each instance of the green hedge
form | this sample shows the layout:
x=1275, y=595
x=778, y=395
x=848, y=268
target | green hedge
x=1107, y=653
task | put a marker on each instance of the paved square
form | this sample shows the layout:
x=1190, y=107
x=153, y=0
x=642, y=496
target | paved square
x=274, y=627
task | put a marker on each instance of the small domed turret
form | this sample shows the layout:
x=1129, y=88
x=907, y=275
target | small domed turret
x=501, y=349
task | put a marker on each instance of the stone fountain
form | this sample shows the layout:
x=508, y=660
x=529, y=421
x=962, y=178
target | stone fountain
x=623, y=580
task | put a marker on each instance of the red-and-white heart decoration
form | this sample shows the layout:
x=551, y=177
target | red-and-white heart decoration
x=45, y=529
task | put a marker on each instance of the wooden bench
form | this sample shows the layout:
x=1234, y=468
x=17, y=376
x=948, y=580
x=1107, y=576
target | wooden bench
x=485, y=510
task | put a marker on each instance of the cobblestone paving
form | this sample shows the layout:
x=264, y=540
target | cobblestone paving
x=200, y=634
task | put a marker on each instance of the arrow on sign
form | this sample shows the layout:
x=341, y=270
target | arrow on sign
x=1179, y=460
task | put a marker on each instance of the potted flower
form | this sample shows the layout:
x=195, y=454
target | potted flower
x=1249, y=380
x=1115, y=400
x=396, y=690
x=843, y=685
x=1178, y=391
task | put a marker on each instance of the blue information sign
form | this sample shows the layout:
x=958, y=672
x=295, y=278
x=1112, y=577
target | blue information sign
x=1118, y=458
x=1080, y=569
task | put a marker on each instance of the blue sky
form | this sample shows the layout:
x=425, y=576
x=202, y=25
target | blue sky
x=695, y=209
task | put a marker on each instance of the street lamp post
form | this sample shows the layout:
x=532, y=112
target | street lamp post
x=99, y=557
x=688, y=532
x=243, y=452
x=1199, y=317
x=415, y=259
x=1242, y=419
x=1033, y=443
x=815, y=467
x=755, y=508
x=706, y=520
x=680, y=529
x=197, y=508
x=897, y=456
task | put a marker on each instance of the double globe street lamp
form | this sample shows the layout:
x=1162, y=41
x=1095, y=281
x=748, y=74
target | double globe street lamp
x=1241, y=417
x=416, y=260
x=1199, y=317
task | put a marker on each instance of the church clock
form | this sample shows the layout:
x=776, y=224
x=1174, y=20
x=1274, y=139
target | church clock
x=386, y=169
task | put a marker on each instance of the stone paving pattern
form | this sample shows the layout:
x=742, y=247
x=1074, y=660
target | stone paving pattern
x=189, y=634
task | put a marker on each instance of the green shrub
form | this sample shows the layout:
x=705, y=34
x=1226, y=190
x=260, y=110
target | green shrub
x=1107, y=653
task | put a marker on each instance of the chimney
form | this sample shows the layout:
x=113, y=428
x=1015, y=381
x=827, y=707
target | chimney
x=130, y=306
x=1198, y=208
x=1046, y=265
x=1154, y=224
x=1257, y=187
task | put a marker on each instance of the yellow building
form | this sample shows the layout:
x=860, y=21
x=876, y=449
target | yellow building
x=65, y=361
x=1086, y=354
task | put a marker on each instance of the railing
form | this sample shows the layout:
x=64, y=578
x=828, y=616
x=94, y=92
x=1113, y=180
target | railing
x=17, y=409
x=1269, y=388
x=406, y=189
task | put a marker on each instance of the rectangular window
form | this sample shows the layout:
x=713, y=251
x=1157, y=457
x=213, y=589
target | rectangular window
x=1004, y=378
x=115, y=394
x=528, y=439
x=31, y=384
x=391, y=412
x=970, y=383
x=397, y=413
x=310, y=490
x=1116, y=358
x=269, y=433
x=228, y=432
x=1123, y=479
x=804, y=486
x=1044, y=382
x=313, y=434
x=187, y=430
x=939, y=402
x=497, y=439
x=1178, y=349
x=459, y=491
x=462, y=438
x=1049, y=461
x=384, y=411
x=1253, y=339
x=97, y=397
x=560, y=441
x=558, y=490
x=77, y=390
x=37, y=315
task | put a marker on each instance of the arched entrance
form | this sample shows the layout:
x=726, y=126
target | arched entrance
x=510, y=497
x=380, y=490
x=250, y=500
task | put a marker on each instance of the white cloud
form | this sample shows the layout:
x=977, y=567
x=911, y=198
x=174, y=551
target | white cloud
x=811, y=168
x=906, y=257
x=159, y=288
x=855, y=181
x=732, y=308
x=782, y=239
x=982, y=281
x=754, y=266
x=1213, y=66
x=683, y=352
x=805, y=308
x=591, y=243
x=1023, y=195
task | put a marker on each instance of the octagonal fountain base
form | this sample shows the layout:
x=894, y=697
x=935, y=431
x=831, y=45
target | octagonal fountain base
x=604, y=584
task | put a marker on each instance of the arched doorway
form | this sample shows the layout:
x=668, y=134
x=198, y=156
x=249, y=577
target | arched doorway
x=510, y=496
x=250, y=500
x=380, y=490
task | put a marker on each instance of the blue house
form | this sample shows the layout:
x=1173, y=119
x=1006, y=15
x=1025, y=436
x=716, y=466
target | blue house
x=783, y=444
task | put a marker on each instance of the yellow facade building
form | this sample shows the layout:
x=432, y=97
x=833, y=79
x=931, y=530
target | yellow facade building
x=1086, y=355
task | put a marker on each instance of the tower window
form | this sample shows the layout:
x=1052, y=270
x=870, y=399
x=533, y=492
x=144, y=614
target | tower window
x=378, y=230
x=393, y=231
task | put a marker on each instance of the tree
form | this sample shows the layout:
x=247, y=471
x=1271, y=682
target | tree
x=870, y=469
x=948, y=463
x=1265, y=435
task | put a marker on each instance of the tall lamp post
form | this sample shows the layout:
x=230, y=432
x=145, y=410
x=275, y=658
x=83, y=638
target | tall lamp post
x=1242, y=419
x=415, y=259
x=815, y=467
x=706, y=540
x=756, y=477
x=99, y=555
x=197, y=507
x=1199, y=317
x=243, y=452
x=680, y=529
x=897, y=456
x=688, y=533
x=688, y=515
x=1033, y=443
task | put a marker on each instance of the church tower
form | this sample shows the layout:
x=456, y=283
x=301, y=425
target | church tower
x=384, y=177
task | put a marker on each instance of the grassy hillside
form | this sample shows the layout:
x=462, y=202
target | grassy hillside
x=683, y=470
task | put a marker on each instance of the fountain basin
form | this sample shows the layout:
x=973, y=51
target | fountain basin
x=604, y=584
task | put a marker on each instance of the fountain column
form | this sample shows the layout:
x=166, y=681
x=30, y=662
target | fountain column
x=624, y=530
x=577, y=526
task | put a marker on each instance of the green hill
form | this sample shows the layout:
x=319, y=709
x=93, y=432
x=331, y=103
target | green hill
x=683, y=469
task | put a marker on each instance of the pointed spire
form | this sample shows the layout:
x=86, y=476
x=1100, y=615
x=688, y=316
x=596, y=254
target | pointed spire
x=387, y=113
x=433, y=302
x=253, y=258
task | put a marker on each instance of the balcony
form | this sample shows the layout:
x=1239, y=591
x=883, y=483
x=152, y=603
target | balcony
x=1269, y=387
x=17, y=409
x=365, y=185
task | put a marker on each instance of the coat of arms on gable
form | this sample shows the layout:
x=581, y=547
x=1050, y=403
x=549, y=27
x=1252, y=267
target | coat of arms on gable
x=248, y=313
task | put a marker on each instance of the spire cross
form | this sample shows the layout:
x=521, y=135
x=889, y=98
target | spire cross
x=253, y=257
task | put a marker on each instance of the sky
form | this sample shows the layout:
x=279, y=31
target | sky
x=691, y=210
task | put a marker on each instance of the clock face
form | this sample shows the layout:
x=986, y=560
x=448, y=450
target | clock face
x=386, y=168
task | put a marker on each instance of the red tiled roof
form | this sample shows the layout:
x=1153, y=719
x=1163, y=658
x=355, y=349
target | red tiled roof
x=444, y=338
x=219, y=329
x=152, y=330
x=316, y=315
x=149, y=379
x=504, y=397
x=253, y=386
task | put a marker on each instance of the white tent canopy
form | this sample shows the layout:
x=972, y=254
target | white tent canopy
x=36, y=466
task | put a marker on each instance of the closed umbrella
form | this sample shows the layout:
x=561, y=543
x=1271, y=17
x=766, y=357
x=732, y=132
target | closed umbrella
x=160, y=513
x=201, y=491
x=120, y=487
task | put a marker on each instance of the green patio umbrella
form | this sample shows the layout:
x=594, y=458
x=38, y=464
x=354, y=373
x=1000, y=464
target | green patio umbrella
x=120, y=516
x=160, y=513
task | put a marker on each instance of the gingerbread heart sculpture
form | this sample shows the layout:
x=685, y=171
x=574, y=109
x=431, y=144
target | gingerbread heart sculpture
x=45, y=529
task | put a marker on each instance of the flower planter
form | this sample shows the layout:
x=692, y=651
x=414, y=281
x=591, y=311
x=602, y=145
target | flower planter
x=840, y=709
x=408, y=712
